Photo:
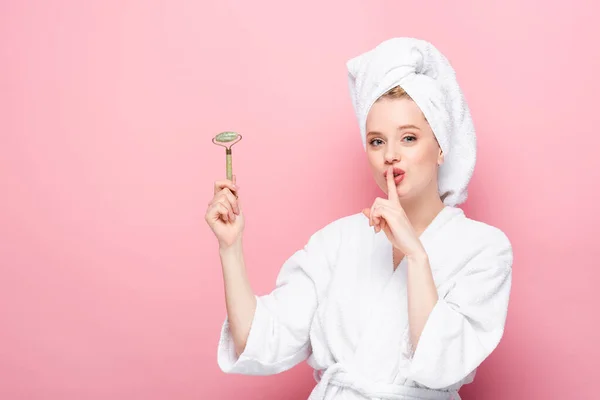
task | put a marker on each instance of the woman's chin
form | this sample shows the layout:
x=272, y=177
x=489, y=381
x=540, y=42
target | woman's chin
x=404, y=192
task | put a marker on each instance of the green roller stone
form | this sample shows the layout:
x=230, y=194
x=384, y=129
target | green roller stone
x=225, y=137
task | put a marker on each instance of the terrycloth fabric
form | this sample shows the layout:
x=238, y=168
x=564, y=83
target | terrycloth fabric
x=339, y=304
x=427, y=76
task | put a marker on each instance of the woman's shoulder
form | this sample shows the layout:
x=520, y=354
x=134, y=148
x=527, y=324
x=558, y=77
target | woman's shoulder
x=341, y=228
x=347, y=224
x=468, y=233
x=485, y=231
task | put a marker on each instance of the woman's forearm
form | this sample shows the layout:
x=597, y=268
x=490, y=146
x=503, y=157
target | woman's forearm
x=239, y=297
x=422, y=294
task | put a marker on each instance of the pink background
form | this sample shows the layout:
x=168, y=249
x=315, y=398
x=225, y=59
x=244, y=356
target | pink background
x=110, y=284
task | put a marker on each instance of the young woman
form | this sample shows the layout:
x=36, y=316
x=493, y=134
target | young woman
x=403, y=300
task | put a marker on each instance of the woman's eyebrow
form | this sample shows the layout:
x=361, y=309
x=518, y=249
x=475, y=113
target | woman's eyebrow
x=400, y=128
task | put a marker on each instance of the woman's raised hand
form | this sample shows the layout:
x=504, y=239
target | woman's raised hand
x=224, y=214
x=389, y=216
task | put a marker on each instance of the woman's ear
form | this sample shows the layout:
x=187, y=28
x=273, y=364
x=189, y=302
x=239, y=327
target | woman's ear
x=440, y=157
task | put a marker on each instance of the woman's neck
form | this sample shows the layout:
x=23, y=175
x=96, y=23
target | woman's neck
x=421, y=211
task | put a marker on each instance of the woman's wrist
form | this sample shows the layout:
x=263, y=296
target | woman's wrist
x=231, y=250
x=418, y=256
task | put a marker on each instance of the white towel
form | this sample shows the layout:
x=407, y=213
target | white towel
x=429, y=79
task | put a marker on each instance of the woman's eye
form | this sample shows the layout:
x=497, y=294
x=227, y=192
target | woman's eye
x=376, y=142
x=410, y=138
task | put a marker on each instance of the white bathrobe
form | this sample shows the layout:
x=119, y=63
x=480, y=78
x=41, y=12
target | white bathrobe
x=339, y=304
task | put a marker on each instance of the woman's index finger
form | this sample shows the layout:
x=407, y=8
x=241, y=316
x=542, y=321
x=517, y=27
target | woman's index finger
x=392, y=191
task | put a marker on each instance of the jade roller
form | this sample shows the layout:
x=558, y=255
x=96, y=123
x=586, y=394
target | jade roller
x=227, y=139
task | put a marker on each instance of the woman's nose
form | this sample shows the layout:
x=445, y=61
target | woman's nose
x=391, y=155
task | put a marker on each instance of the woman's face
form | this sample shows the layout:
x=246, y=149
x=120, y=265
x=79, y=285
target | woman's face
x=399, y=135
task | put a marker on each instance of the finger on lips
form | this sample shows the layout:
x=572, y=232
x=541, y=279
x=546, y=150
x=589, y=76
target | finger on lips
x=392, y=191
x=375, y=212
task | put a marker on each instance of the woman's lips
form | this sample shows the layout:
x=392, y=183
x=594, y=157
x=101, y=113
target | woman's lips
x=398, y=175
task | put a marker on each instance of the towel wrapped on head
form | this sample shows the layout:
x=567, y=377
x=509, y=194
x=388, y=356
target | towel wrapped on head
x=429, y=79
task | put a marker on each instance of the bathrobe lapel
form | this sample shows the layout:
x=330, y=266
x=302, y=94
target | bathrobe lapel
x=384, y=314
